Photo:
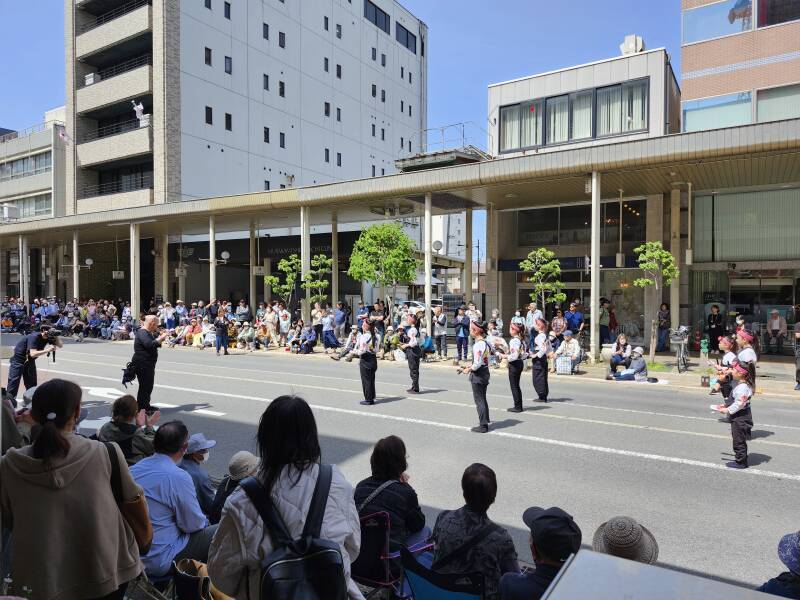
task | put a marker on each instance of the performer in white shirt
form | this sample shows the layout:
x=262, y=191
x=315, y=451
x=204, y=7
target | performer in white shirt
x=368, y=363
x=413, y=354
x=479, y=374
x=539, y=352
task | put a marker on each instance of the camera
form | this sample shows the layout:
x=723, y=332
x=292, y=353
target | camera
x=53, y=336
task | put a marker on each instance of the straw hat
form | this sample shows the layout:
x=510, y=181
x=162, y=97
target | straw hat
x=624, y=537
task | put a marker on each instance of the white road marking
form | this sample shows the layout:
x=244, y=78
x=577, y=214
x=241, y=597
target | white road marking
x=164, y=405
x=494, y=409
x=210, y=413
x=517, y=436
x=105, y=393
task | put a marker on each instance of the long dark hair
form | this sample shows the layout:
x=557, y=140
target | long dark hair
x=388, y=460
x=54, y=404
x=750, y=377
x=287, y=435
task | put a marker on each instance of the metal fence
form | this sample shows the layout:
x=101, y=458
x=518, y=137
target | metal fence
x=129, y=184
x=114, y=14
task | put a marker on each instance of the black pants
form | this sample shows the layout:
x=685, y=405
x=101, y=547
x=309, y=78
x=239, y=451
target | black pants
x=797, y=364
x=540, y=377
x=713, y=338
x=146, y=375
x=741, y=427
x=368, y=365
x=515, y=369
x=461, y=348
x=318, y=330
x=480, y=381
x=441, y=345
x=725, y=387
x=18, y=369
x=412, y=356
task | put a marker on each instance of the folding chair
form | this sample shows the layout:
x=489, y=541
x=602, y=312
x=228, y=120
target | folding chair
x=429, y=585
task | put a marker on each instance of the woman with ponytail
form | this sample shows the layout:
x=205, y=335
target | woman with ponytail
x=69, y=539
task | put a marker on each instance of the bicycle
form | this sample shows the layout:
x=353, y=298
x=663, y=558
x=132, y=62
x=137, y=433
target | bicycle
x=680, y=339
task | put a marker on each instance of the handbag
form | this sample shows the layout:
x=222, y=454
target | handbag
x=134, y=511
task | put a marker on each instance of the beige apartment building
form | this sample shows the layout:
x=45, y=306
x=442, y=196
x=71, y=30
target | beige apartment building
x=740, y=62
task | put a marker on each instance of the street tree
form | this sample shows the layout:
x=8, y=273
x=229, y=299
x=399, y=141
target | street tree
x=290, y=267
x=383, y=255
x=545, y=275
x=315, y=281
x=659, y=270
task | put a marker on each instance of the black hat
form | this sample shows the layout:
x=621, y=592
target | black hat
x=480, y=325
x=554, y=533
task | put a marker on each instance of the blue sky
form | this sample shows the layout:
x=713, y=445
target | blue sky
x=471, y=43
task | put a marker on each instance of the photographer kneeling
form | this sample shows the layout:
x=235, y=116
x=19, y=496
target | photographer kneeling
x=23, y=363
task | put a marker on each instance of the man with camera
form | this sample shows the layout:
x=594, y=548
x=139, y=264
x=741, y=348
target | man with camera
x=145, y=355
x=23, y=363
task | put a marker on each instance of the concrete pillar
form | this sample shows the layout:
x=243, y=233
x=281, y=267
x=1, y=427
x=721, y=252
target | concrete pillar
x=428, y=260
x=335, y=258
x=655, y=232
x=594, y=331
x=135, y=278
x=76, y=272
x=253, y=258
x=3, y=274
x=52, y=278
x=212, y=259
x=267, y=289
x=305, y=259
x=182, y=289
x=675, y=249
x=23, y=270
x=165, y=291
x=466, y=286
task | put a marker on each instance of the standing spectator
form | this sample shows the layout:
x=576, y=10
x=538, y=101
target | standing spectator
x=574, y=318
x=329, y=339
x=243, y=312
x=518, y=319
x=605, y=320
x=664, y=320
x=378, y=319
x=316, y=320
x=625, y=538
x=461, y=325
x=714, y=328
x=468, y=541
x=145, y=356
x=197, y=453
x=776, y=332
x=497, y=319
x=530, y=321
x=180, y=529
x=787, y=584
x=440, y=331
x=242, y=464
x=558, y=326
x=361, y=314
x=221, y=333
x=289, y=469
x=797, y=347
x=70, y=539
x=339, y=320
x=130, y=428
x=554, y=537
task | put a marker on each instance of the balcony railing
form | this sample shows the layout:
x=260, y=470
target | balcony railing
x=113, y=14
x=142, y=182
x=124, y=67
x=13, y=135
x=115, y=129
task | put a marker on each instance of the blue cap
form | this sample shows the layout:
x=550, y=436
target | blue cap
x=567, y=333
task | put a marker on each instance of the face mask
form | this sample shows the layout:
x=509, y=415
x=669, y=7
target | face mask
x=205, y=456
x=516, y=314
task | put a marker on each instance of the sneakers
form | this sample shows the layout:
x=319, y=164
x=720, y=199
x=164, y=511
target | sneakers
x=480, y=429
x=412, y=391
x=713, y=391
x=367, y=402
x=515, y=409
x=732, y=464
x=335, y=357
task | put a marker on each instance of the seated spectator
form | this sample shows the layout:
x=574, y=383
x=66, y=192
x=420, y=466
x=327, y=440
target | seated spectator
x=131, y=429
x=787, y=584
x=348, y=351
x=554, y=537
x=261, y=336
x=289, y=468
x=180, y=529
x=329, y=341
x=246, y=337
x=468, y=541
x=624, y=537
x=426, y=344
x=70, y=539
x=637, y=371
x=242, y=464
x=570, y=348
x=308, y=340
x=387, y=490
x=620, y=353
x=196, y=454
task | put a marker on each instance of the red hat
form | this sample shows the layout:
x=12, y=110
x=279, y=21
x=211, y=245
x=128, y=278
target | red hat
x=737, y=366
x=516, y=327
x=745, y=334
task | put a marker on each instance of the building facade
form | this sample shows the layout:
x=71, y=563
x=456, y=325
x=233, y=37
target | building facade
x=740, y=62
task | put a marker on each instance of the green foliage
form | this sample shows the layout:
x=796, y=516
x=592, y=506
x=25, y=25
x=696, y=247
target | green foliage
x=658, y=265
x=383, y=255
x=314, y=281
x=545, y=270
x=290, y=267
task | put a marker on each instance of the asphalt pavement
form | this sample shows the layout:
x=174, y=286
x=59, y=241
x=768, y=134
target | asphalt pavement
x=598, y=449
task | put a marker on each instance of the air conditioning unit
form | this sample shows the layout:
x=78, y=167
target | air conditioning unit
x=633, y=44
x=10, y=212
x=117, y=274
x=91, y=78
x=145, y=120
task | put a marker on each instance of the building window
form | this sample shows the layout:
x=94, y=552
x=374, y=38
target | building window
x=228, y=65
x=383, y=134
x=228, y=121
x=383, y=95
x=772, y=12
x=282, y=140
x=374, y=54
x=580, y=115
x=327, y=109
x=327, y=155
x=281, y=39
x=409, y=146
x=402, y=142
x=402, y=106
x=208, y=4
x=227, y=10
x=338, y=114
x=409, y=77
x=338, y=71
x=721, y=111
x=34, y=206
x=209, y=116
x=266, y=135
x=266, y=81
x=622, y=108
x=405, y=37
x=265, y=30
x=383, y=172
x=718, y=19
x=374, y=91
x=281, y=89
x=776, y=104
x=383, y=60
x=338, y=31
x=326, y=23
x=208, y=56
x=402, y=72
x=266, y=185
x=569, y=225
x=373, y=130
x=409, y=110
x=338, y=159
x=376, y=16
x=557, y=119
x=373, y=170
x=326, y=65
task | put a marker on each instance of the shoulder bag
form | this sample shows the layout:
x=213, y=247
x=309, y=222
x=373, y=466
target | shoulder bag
x=133, y=511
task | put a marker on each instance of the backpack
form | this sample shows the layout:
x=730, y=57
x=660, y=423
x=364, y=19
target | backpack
x=308, y=568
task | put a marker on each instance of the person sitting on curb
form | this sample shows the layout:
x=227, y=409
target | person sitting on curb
x=571, y=349
x=637, y=371
x=242, y=464
x=131, y=429
x=786, y=584
x=625, y=538
x=620, y=353
x=554, y=537
x=196, y=454
x=348, y=351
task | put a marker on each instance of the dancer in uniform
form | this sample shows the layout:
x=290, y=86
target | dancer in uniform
x=368, y=363
x=479, y=374
x=413, y=354
x=539, y=354
x=727, y=344
x=740, y=415
x=517, y=355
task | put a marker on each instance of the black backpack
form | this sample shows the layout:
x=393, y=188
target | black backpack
x=308, y=568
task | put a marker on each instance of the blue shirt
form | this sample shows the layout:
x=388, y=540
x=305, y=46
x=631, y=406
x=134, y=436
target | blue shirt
x=339, y=316
x=202, y=483
x=174, y=510
x=574, y=320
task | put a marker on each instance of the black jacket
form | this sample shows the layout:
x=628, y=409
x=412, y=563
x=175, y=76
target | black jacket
x=400, y=501
x=145, y=348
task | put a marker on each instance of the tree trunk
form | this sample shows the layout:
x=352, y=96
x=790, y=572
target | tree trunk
x=653, y=340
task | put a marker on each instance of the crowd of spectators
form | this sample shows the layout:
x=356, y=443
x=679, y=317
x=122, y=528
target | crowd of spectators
x=91, y=551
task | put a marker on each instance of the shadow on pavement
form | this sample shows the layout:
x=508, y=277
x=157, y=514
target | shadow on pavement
x=758, y=459
x=504, y=424
x=761, y=433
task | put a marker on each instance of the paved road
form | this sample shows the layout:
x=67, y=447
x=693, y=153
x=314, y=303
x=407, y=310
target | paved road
x=599, y=449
